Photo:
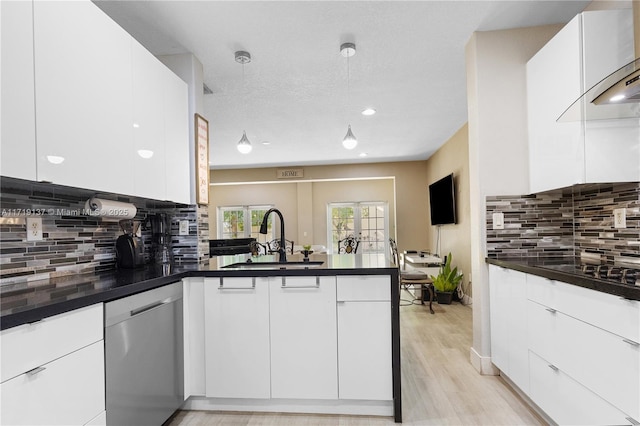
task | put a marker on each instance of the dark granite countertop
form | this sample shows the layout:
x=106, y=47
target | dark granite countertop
x=31, y=301
x=568, y=270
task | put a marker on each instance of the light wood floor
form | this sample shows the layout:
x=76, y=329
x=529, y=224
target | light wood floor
x=439, y=385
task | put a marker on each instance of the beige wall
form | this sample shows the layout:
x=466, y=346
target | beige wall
x=410, y=190
x=453, y=157
x=498, y=162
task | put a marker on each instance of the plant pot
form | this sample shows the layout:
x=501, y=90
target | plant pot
x=444, y=297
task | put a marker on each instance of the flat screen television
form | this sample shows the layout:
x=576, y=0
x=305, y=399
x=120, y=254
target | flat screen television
x=442, y=201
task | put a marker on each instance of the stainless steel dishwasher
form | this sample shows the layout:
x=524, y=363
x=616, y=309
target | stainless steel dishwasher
x=144, y=357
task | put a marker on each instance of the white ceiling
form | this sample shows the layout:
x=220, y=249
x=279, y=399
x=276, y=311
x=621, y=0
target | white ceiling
x=409, y=66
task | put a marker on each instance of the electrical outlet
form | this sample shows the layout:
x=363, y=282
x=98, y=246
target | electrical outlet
x=619, y=218
x=498, y=220
x=34, y=229
x=184, y=227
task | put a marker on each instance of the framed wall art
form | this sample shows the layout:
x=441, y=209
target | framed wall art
x=202, y=159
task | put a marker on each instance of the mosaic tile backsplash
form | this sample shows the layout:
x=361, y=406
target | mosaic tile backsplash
x=576, y=221
x=75, y=243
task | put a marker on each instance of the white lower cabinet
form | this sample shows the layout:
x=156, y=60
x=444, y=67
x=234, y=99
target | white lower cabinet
x=364, y=338
x=509, y=351
x=67, y=391
x=237, y=337
x=567, y=401
x=303, y=337
x=58, y=379
x=583, y=350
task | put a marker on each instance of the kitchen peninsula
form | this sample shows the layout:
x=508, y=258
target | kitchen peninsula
x=320, y=338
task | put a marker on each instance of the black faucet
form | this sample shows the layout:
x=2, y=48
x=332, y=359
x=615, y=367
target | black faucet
x=263, y=230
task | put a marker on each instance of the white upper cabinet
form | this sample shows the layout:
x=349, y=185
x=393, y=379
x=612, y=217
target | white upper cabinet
x=563, y=153
x=85, y=105
x=83, y=87
x=18, y=137
x=176, y=134
x=148, y=152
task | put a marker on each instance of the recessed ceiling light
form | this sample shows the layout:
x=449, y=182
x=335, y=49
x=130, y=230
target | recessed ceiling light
x=363, y=154
x=369, y=111
x=617, y=98
x=266, y=143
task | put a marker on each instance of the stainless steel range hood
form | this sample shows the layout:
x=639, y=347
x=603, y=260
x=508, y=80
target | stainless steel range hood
x=617, y=95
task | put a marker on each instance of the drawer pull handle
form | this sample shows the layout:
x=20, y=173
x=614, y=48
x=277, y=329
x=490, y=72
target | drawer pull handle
x=284, y=284
x=138, y=311
x=553, y=367
x=35, y=371
x=553, y=311
x=253, y=285
x=632, y=421
x=631, y=342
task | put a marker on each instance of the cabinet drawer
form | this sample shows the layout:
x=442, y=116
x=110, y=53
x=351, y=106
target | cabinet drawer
x=612, y=313
x=605, y=363
x=542, y=290
x=542, y=330
x=364, y=288
x=565, y=400
x=68, y=391
x=31, y=345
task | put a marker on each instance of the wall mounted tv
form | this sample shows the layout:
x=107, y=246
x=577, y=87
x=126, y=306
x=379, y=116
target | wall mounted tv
x=442, y=201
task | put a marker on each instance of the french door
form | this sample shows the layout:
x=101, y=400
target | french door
x=366, y=221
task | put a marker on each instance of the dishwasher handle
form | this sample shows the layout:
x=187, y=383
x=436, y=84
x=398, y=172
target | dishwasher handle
x=138, y=311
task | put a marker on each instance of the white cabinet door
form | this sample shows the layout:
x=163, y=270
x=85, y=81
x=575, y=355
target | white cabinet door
x=148, y=152
x=364, y=350
x=237, y=337
x=18, y=138
x=67, y=391
x=498, y=314
x=176, y=128
x=542, y=325
x=303, y=337
x=508, y=314
x=566, y=401
x=364, y=338
x=553, y=83
x=83, y=86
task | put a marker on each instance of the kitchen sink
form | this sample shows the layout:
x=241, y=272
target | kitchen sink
x=278, y=265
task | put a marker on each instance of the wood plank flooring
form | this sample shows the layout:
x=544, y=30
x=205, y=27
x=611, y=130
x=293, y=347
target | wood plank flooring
x=439, y=385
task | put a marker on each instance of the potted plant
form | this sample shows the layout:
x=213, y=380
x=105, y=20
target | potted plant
x=446, y=282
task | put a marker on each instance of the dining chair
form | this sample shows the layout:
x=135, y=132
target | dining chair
x=348, y=245
x=412, y=277
x=274, y=245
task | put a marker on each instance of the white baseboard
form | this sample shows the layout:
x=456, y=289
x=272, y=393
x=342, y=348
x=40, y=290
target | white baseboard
x=483, y=364
x=371, y=408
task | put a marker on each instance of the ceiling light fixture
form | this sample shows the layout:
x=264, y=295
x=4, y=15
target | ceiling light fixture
x=347, y=50
x=244, y=146
x=368, y=111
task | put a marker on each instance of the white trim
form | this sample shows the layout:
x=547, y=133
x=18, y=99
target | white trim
x=483, y=364
x=330, y=406
x=263, y=182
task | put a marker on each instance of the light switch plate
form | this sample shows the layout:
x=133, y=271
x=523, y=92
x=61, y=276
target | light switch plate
x=184, y=227
x=498, y=220
x=619, y=218
x=34, y=229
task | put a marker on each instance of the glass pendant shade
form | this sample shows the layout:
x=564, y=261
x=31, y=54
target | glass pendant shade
x=349, y=140
x=244, y=146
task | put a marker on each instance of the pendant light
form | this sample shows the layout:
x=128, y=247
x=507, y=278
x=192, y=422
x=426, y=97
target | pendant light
x=347, y=50
x=244, y=146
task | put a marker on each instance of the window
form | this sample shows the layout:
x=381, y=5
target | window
x=243, y=222
x=368, y=221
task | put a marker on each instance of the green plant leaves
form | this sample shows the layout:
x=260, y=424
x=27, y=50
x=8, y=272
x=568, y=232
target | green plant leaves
x=447, y=279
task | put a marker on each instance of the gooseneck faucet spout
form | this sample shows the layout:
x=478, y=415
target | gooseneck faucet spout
x=263, y=230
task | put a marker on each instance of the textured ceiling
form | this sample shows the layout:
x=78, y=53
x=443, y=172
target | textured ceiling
x=409, y=66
